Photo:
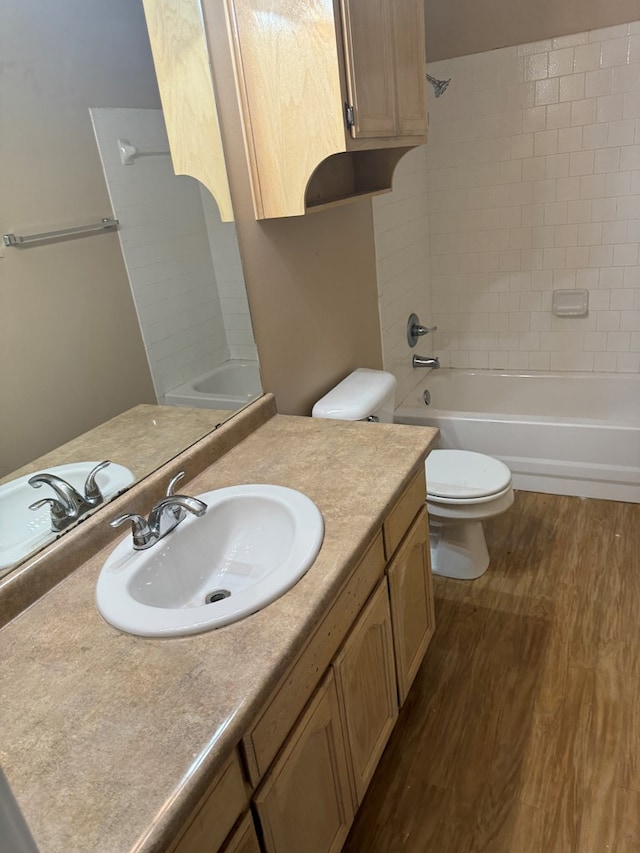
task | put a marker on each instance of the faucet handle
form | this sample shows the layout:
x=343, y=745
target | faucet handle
x=92, y=491
x=415, y=330
x=176, y=510
x=171, y=488
x=140, y=529
x=58, y=511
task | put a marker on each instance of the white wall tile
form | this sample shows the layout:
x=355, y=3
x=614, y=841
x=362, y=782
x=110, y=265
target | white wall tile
x=166, y=250
x=532, y=183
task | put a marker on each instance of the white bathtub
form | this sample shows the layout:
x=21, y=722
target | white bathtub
x=229, y=386
x=560, y=433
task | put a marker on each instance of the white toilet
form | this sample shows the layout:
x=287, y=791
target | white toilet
x=463, y=488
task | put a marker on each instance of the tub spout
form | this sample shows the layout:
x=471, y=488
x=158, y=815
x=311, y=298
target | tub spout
x=425, y=361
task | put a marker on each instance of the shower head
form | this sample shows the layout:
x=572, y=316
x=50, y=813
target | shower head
x=439, y=86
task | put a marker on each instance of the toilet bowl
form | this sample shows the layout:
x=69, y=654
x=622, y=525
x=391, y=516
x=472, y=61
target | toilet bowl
x=464, y=488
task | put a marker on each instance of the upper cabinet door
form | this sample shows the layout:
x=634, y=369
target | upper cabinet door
x=410, y=66
x=369, y=48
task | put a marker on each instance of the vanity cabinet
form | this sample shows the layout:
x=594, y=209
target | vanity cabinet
x=314, y=747
x=368, y=649
x=330, y=93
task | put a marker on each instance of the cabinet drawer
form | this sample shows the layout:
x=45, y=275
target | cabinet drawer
x=221, y=807
x=403, y=513
x=268, y=734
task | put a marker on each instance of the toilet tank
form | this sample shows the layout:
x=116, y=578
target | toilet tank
x=362, y=395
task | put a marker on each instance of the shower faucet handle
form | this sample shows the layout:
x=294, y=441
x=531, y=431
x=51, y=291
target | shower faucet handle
x=415, y=330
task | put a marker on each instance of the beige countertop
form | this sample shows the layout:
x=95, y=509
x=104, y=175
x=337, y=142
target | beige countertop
x=141, y=439
x=108, y=740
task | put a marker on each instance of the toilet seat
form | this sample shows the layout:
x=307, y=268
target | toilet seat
x=465, y=477
x=437, y=499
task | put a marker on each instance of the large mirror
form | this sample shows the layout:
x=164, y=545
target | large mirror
x=99, y=329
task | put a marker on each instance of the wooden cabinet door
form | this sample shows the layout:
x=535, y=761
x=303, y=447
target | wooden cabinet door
x=368, y=46
x=244, y=839
x=304, y=804
x=366, y=679
x=223, y=804
x=411, y=594
x=410, y=67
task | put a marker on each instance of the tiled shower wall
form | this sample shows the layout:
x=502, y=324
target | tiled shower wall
x=531, y=178
x=227, y=264
x=533, y=173
x=167, y=251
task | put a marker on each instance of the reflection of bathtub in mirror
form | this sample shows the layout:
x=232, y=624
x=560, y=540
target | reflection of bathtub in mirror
x=228, y=386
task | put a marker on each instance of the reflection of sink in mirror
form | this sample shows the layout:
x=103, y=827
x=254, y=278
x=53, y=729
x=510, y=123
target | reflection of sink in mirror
x=252, y=545
x=22, y=530
x=230, y=386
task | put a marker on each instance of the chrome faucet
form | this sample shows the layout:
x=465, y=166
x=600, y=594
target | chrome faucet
x=68, y=505
x=424, y=361
x=164, y=516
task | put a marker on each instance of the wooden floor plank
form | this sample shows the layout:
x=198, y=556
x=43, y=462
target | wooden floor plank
x=522, y=731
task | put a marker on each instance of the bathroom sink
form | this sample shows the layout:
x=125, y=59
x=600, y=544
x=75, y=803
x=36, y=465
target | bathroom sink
x=23, y=530
x=253, y=544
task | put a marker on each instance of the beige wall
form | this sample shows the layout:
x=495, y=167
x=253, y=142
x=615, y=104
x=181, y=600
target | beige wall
x=71, y=351
x=311, y=283
x=311, y=280
x=461, y=27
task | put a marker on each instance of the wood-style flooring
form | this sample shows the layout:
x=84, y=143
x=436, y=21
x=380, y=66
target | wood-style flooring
x=521, y=733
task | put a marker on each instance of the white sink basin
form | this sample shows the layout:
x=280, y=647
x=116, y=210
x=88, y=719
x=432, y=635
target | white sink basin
x=23, y=530
x=252, y=545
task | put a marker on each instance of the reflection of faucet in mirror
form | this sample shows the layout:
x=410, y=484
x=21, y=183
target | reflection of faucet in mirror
x=69, y=504
x=163, y=518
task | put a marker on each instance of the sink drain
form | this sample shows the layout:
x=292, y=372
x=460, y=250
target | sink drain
x=216, y=595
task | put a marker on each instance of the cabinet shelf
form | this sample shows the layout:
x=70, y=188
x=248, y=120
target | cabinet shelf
x=352, y=175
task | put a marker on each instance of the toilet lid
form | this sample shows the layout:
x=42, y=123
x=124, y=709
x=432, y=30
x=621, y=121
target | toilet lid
x=463, y=474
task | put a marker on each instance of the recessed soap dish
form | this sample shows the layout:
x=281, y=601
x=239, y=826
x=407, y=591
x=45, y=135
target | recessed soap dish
x=570, y=303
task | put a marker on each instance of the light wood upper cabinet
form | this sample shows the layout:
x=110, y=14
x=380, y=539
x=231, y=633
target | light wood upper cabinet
x=369, y=53
x=182, y=67
x=331, y=94
x=304, y=803
x=409, y=67
x=297, y=69
x=385, y=64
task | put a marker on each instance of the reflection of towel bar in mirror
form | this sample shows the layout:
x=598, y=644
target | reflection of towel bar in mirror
x=129, y=153
x=15, y=240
